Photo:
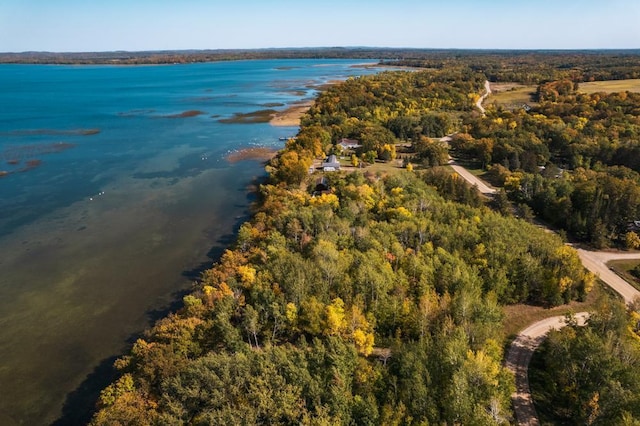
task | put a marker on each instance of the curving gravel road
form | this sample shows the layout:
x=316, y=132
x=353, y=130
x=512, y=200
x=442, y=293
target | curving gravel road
x=528, y=340
x=518, y=358
x=487, y=88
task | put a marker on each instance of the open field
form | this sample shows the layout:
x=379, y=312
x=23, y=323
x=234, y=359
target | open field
x=610, y=86
x=394, y=166
x=622, y=268
x=511, y=95
x=517, y=317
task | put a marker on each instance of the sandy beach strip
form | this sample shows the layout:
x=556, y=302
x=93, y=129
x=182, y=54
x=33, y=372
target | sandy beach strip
x=291, y=116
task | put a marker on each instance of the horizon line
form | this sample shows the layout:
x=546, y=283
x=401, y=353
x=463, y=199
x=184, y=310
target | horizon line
x=308, y=48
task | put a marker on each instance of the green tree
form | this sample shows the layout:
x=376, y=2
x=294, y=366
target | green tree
x=292, y=167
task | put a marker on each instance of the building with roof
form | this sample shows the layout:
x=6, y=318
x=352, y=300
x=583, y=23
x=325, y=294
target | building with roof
x=346, y=144
x=331, y=164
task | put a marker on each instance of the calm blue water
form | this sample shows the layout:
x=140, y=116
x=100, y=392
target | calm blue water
x=107, y=203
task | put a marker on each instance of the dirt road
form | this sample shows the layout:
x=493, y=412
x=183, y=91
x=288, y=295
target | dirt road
x=595, y=261
x=525, y=344
x=518, y=358
x=487, y=88
x=483, y=187
x=528, y=340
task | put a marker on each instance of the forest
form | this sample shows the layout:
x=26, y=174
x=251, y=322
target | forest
x=378, y=300
x=574, y=159
x=589, y=375
x=378, y=303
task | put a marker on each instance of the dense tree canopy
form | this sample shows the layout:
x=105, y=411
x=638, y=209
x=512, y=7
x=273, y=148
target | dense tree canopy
x=574, y=159
x=531, y=67
x=375, y=303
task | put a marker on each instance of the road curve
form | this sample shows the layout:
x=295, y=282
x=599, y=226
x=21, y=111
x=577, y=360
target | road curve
x=595, y=261
x=487, y=92
x=517, y=361
x=528, y=340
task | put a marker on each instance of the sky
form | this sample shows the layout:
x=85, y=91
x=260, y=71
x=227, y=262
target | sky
x=134, y=25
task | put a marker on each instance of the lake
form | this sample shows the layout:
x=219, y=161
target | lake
x=115, y=193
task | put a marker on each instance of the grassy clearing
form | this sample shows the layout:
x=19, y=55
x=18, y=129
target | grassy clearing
x=511, y=95
x=610, y=86
x=518, y=317
x=390, y=167
x=623, y=268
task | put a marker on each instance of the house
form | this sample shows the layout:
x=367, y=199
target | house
x=331, y=164
x=347, y=144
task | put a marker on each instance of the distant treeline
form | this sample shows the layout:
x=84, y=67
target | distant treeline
x=479, y=60
x=534, y=67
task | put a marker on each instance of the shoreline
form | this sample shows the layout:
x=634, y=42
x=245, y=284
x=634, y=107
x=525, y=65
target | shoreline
x=291, y=116
x=258, y=153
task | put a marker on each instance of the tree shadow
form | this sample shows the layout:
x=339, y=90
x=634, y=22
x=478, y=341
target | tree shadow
x=79, y=405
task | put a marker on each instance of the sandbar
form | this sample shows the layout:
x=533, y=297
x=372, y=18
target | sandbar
x=291, y=116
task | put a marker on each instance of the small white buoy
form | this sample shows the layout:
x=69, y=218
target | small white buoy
x=91, y=199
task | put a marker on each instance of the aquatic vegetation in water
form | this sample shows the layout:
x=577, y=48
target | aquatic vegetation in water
x=186, y=114
x=136, y=112
x=260, y=116
x=51, y=132
x=15, y=155
x=259, y=153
